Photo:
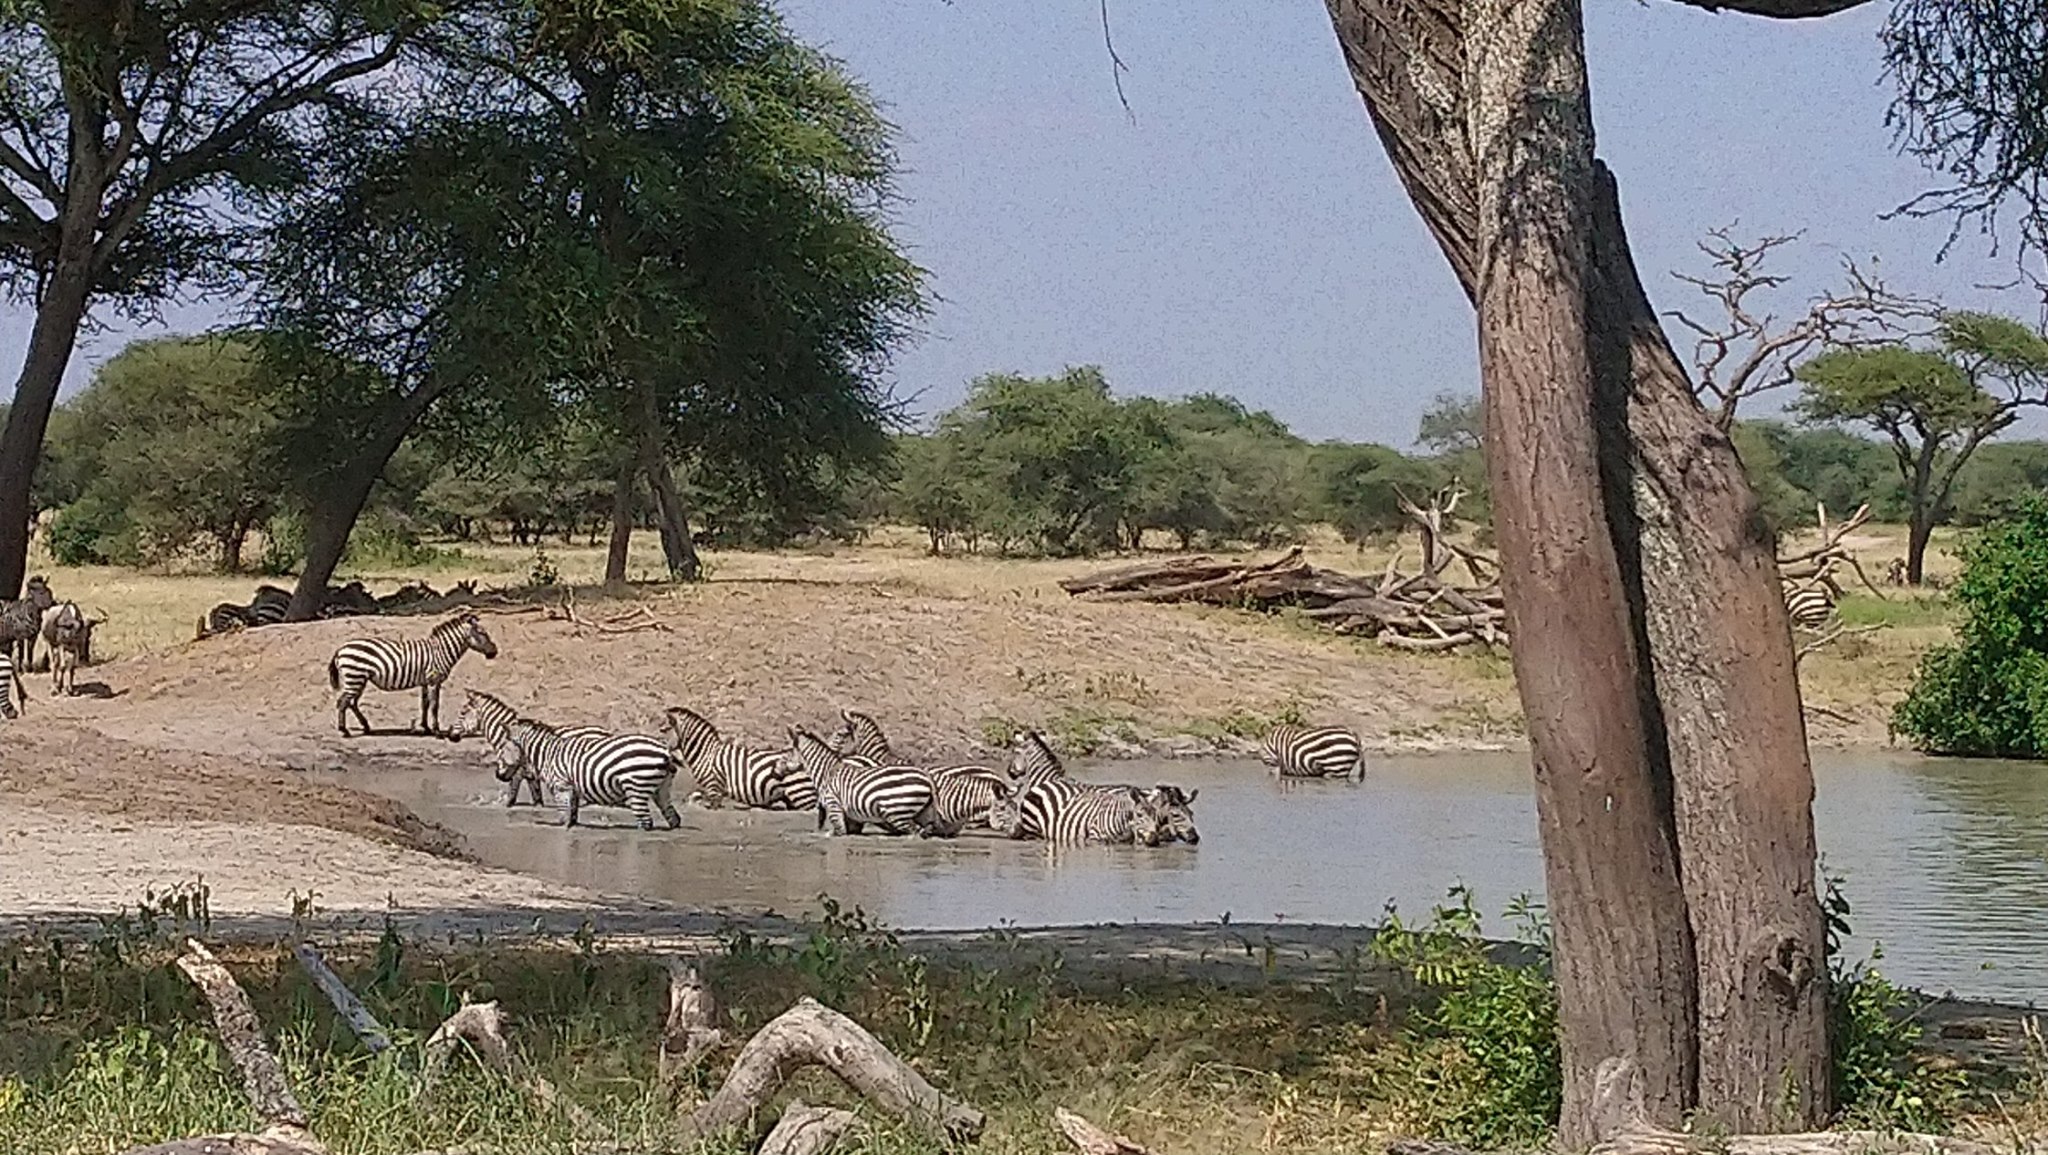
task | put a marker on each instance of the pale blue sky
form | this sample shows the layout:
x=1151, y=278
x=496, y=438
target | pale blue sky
x=1245, y=234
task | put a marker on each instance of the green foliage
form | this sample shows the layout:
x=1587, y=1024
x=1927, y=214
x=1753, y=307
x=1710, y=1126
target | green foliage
x=1987, y=693
x=92, y=530
x=1362, y=486
x=1453, y=423
x=174, y=443
x=1487, y=1071
x=1883, y=1078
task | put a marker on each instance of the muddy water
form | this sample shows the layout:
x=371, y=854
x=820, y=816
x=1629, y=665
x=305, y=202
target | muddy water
x=1946, y=862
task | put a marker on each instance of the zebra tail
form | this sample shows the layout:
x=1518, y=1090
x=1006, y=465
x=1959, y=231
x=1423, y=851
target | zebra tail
x=333, y=675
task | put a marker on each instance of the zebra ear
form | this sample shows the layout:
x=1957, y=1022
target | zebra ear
x=1189, y=798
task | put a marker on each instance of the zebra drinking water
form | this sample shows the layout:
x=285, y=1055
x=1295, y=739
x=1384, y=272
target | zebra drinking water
x=630, y=770
x=724, y=769
x=402, y=665
x=1313, y=752
x=962, y=797
x=852, y=795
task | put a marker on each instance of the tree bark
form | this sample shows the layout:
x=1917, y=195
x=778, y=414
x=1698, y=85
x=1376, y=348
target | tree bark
x=621, y=546
x=1623, y=958
x=1704, y=609
x=50, y=344
x=676, y=547
x=1697, y=549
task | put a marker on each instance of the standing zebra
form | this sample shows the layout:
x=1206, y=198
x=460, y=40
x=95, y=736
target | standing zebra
x=402, y=665
x=22, y=620
x=852, y=795
x=1811, y=604
x=9, y=686
x=1313, y=752
x=488, y=716
x=629, y=770
x=724, y=769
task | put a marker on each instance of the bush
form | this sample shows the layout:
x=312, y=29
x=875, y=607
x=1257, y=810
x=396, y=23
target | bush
x=1883, y=1080
x=1488, y=1072
x=1987, y=694
x=91, y=531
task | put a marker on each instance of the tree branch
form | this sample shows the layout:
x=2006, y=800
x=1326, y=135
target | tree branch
x=1778, y=9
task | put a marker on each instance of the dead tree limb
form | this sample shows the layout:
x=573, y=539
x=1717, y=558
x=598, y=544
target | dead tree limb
x=691, y=1030
x=807, y=1130
x=627, y=622
x=1090, y=1139
x=812, y=1033
x=346, y=1004
x=482, y=1027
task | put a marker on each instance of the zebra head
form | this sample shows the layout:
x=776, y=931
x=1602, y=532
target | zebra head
x=467, y=632
x=1269, y=748
x=1170, y=808
x=482, y=714
x=510, y=748
x=1032, y=760
x=1006, y=813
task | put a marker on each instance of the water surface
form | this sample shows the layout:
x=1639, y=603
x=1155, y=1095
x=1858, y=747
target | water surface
x=1943, y=861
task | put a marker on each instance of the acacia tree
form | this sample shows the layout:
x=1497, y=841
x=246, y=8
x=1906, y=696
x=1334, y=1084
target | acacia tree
x=665, y=214
x=136, y=144
x=1935, y=407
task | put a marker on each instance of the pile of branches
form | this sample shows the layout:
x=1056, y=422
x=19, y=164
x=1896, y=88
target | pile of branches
x=1425, y=610
x=808, y=1034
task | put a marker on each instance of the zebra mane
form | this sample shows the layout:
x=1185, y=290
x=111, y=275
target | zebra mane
x=1037, y=740
x=458, y=622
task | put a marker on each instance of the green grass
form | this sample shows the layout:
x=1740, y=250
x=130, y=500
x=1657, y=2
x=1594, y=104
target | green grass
x=1900, y=610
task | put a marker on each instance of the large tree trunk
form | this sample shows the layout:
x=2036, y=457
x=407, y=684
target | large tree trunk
x=676, y=547
x=622, y=523
x=1918, y=534
x=1724, y=760
x=50, y=343
x=1722, y=656
x=333, y=518
x=1624, y=963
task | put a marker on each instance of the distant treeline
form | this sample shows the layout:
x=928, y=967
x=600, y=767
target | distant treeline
x=173, y=452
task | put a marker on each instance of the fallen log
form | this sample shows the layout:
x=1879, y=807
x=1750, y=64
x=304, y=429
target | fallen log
x=1090, y=1139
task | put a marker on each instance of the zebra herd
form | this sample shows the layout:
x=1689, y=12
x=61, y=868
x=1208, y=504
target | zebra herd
x=65, y=631
x=852, y=781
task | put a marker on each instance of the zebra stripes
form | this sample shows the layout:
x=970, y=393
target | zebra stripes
x=853, y=795
x=9, y=686
x=962, y=797
x=1313, y=752
x=1032, y=761
x=860, y=736
x=488, y=716
x=629, y=770
x=403, y=665
x=1065, y=812
x=1811, y=605
x=724, y=769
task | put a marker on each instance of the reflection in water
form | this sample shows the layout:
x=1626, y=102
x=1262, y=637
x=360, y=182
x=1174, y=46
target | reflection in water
x=1943, y=861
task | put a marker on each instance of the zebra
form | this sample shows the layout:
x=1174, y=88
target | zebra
x=224, y=618
x=1313, y=752
x=724, y=769
x=1066, y=812
x=851, y=796
x=962, y=797
x=630, y=770
x=487, y=716
x=1173, y=809
x=269, y=605
x=9, y=686
x=1811, y=604
x=22, y=620
x=1032, y=761
x=860, y=736
x=402, y=665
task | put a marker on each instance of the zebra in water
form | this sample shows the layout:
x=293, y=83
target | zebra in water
x=1313, y=752
x=630, y=770
x=9, y=686
x=962, y=797
x=723, y=769
x=852, y=795
x=1065, y=812
x=402, y=665
x=488, y=716
x=1812, y=603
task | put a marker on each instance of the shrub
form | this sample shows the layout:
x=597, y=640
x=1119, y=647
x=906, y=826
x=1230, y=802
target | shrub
x=91, y=531
x=1986, y=695
x=1883, y=1079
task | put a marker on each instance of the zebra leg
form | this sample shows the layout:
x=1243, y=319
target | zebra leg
x=426, y=694
x=341, y=705
x=575, y=804
x=664, y=797
x=643, y=811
